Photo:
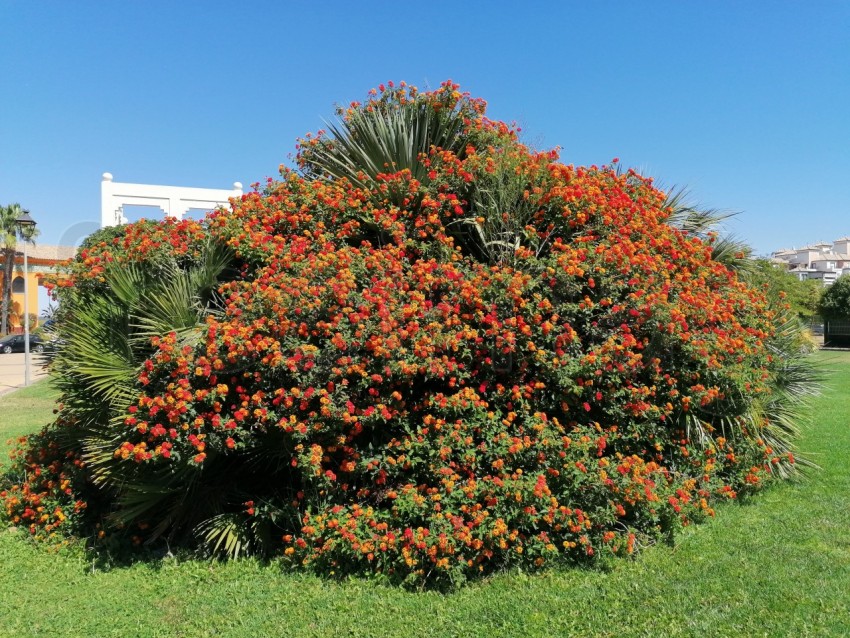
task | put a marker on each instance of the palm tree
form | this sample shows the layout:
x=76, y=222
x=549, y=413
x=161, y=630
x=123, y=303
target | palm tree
x=10, y=233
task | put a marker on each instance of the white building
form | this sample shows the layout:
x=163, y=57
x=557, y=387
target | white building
x=822, y=261
x=174, y=201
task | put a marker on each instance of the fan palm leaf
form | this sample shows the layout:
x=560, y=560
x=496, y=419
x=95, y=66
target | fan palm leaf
x=225, y=534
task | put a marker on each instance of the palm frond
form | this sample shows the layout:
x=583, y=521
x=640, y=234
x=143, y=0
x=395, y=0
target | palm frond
x=690, y=217
x=127, y=282
x=704, y=224
x=214, y=265
x=795, y=379
x=733, y=253
x=225, y=535
x=500, y=215
x=103, y=340
x=383, y=140
x=171, y=306
x=95, y=358
x=179, y=299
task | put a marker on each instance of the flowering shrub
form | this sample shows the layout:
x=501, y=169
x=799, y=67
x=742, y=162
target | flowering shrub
x=431, y=368
x=42, y=498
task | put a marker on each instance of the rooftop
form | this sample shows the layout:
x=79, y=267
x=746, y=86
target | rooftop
x=49, y=252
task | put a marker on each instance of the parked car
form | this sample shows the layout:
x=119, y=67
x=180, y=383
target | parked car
x=15, y=343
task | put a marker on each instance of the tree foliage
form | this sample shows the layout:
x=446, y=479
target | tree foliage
x=10, y=235
x=457, y=359
x=835, y=302
x=802, y=297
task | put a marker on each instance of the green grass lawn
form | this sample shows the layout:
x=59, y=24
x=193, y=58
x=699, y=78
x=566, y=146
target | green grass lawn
x=24, y=411
x=776, y=566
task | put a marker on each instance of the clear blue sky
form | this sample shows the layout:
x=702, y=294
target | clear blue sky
x=746, y=103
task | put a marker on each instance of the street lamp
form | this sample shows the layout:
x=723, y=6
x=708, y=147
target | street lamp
x=25, y=224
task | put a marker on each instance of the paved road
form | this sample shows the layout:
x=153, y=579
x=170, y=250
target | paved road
x=12, y=371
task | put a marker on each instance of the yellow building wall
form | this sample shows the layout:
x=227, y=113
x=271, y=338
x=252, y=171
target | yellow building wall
x=32, y=298
x=38, y=270
x=18, y=298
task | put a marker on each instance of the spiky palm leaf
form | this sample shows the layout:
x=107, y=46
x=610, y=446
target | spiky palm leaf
x=383, y=140
x=181, y=300
x=234, y=534
x=214, y=266
x=94, y=365
x=733, y=253
x=499, y=214
x=796, y=379
x=172, y=306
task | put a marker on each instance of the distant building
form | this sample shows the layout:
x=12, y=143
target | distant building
x=174, y=201
x=42, y=261
x=823, y=261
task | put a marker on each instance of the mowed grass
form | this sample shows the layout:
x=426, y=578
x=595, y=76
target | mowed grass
x=24, y=411
x=778, y=565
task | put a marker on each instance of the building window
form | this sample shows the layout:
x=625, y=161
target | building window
x=18, y=285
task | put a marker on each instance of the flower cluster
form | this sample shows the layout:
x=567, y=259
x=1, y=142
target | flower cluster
x=46, y=494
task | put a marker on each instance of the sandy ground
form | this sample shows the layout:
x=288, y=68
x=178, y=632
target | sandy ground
x=12, y=371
